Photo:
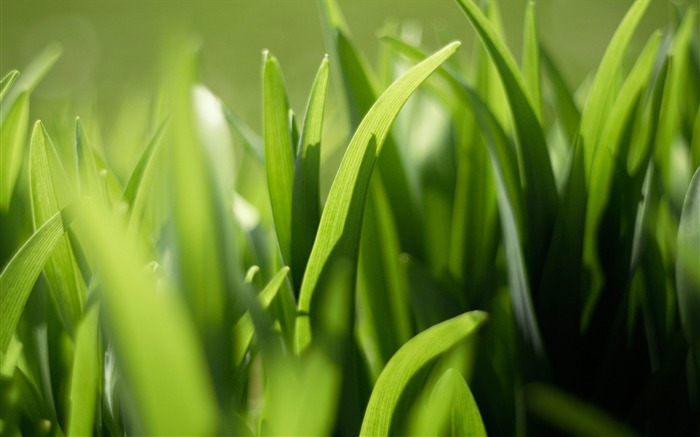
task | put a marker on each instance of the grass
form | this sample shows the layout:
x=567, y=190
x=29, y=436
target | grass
x=495, y=252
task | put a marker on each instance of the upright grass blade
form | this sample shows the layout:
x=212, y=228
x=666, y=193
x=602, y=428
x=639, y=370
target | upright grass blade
x=49, y=193
x=134, y=185
x=687, y=272
x=86, y=376
x=306, y=199
x=531, y=59
x=279, y=152
x=602, y=91
x=251, y=140
x=7, y=82
x=13, y=133
x=20, y=274
x=339, y=228
x=568, y=112
x=88, y=176
x=538, y=178
x=152, y=333
x=411, y=358
x=243, y=330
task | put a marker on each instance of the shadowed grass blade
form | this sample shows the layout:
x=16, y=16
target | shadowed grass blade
x=411, y=358
x=531, y=59
x=339, y=229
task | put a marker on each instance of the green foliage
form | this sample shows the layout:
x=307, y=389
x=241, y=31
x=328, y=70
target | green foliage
x=490, y=257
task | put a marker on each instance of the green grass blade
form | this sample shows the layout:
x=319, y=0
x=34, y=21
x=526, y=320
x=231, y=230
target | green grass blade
x=411, y=358
x=602, y=89
x=568, y=112
x=539, y=185
x=279, y=157
x=7, y=82
x=13, y=133
x=88, y=176
x=153, y=335
x=339, y=228
x=20, y=274
x=49, y=193
x=85, y=378
x=251, y=140
x=306, y=198
x=135, y=182
x=687, y=272
x=531, y=59
x=571, y=415
x=243, y=330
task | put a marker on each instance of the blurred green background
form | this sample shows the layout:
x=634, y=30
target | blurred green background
x=111, y=48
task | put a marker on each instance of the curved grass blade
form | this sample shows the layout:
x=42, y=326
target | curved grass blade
x=243, y=330
x=49, y=193
x=568, y=112
x=687, y=272
x=306, y=198
x=85, y=378
x=412, y=357
x=251, y=140
x=153, y=335
x=339, y=228
x=602, y=89
x=89, y=183
x=20, y=274
x=539, y=184
x=7, y=82
x=531, y=59
x=13, y=133
x=279, y=152
x=134, y=185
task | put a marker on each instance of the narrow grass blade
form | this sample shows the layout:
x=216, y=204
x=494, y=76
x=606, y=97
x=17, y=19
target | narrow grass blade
x=571, y=415
x=306, y=198
x=539, y=185
x=279, y=157
x=20, y=274
x=13, y=133
x=243, y=330
x=7, y=82
x=412, y=357
x=49, y=193
x=251, y=140
x=602, y=91
x=86, y=376
x=531, y=59
x=339, y=229
x=153, y=335
x=88, y=176
x=687, y=271
x=568, y=112
x=134, y=184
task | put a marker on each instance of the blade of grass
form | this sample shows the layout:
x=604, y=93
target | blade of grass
x=86, y=376
x=134, y=185
x=88, y=177
x=251, y=140
x=7, y=82
x=279, y=157
x=13, y=133
x=339, y=228
x=412, y=357
x=49, y=193
x=531, y=59
x=568, y=112
x=306, y=198
x=20, y=274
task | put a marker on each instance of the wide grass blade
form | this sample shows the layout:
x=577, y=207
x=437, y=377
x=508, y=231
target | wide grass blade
x=538, y=178
x=687, y=271
x=339, y=228
x=20, y=274
x=49, y=188
x=13, y=133
x=306, y=198
x=411, y=358
x=153, y=335
x=86, y=376
x=7, y=82
x=279, y=152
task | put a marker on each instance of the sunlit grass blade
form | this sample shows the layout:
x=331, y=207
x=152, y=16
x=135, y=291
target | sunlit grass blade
x=339, y=228
x=86, y=376
x=602, y=91
x=251, y=140
x=306, y=200
x=134, y=185
x=538, y=177
x=279, y=152
x=687, y=272
x=571, y=415
x=88, y=176
x=7, y=82
x=13, y=133
x=243, y=330
x=531, y=59
x=50, y=192
x=451, y=410
x=410, y=359
x=153, y=335
x=20, y=274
